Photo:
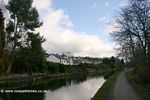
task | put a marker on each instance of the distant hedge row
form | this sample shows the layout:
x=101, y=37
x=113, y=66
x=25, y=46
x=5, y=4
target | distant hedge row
x=55, y=67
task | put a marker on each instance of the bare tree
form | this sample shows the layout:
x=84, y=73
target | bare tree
x=133, y=35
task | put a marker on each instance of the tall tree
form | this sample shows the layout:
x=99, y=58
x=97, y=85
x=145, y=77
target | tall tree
x=133, y=35
x=134, y=29
x=24, y=18
x=32, y=57
x=2, y=42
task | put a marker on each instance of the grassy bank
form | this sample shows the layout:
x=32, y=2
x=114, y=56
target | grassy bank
x=143, y=89
x=107, y=86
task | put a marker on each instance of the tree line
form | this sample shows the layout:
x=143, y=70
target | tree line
x=20, y=46
x=133, y=36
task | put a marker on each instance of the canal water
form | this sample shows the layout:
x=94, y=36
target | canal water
x=72, y=88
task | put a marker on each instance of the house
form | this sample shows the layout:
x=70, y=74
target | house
x=63, y=59
x=53, y=58
x=89, y=60
x=70, y=60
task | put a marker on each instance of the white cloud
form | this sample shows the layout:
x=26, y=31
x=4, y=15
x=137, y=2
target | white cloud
x=4, y=1
x=42, y=4
x=4, y=10
x=122, y=4
x=107, y=4
x=60, y=36
x=2, y=4
x=111, y=27
x=103, y=18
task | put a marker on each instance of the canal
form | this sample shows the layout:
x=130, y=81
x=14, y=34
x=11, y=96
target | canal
x=71, y=88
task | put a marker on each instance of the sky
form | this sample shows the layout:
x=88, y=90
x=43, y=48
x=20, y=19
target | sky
x=79, y=26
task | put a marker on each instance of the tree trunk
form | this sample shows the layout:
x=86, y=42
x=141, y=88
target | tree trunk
x=2, y=43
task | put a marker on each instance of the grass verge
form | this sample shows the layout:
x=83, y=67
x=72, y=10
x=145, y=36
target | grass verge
x=105, y=89
x=142, y=89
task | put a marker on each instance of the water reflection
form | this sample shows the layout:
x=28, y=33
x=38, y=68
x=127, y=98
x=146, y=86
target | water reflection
x=81, y=91
x=72, y=88
x=14, y=96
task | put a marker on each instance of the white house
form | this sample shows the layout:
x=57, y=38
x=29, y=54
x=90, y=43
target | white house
x=63, y=59
x=70, y=60
x=53, y=58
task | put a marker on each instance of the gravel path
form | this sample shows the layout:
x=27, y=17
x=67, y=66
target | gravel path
x=123, y=90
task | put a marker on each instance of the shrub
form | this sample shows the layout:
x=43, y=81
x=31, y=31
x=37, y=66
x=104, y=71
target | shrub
x=108, y=72
x=52, y=67
x=62, y=68
x=143, y=72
